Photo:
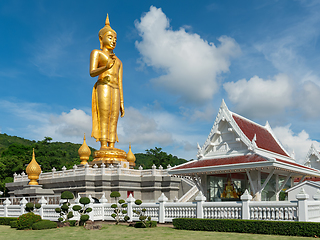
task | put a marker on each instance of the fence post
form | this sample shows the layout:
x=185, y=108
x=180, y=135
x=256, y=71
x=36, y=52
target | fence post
x=91, y=214
x=162, y=201
x=200, y=199
x=103, y=200
x=42, y=202
x=302, y=205
x=154, y=168
x=246, y=198
x=316, y=197
x=23, y=203
x=6, y=203
x=130, y=201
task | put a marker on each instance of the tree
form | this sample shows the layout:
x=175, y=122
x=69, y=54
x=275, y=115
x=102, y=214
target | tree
x=157, y=157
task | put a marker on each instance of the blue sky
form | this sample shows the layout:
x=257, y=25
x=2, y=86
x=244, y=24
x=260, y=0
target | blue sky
x=180, y=60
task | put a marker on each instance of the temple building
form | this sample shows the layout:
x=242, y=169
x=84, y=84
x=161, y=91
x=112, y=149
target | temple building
x=240, y=154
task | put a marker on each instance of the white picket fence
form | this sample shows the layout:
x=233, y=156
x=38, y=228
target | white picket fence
x=164, y=211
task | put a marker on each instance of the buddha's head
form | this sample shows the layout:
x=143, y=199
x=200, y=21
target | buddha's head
x=107, y=36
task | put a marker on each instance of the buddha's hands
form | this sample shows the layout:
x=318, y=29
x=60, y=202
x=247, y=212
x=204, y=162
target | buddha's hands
x=122, y=109
x=111, y=60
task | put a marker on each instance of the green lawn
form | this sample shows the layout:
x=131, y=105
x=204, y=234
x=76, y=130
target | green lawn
x=124, y=232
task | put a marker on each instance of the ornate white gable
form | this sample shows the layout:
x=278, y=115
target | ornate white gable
x=313, y=158
x=225, y=137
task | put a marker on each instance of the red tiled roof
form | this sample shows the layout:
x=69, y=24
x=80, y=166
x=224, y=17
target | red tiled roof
x=222, y=161
x=296, y=164
x=264, y=138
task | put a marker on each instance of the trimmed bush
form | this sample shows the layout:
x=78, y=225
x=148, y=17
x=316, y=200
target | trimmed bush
x=305, y=229
x=147, y=225
x=26, y=220
x=7, y=220
x=115, y=194
x=84, y=200
x=44, y=224
x=72, y=223
x=67, y=195
x=13, y=224
x=31, y=206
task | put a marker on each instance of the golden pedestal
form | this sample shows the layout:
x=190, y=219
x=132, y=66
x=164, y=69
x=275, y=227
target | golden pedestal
x=109, y=156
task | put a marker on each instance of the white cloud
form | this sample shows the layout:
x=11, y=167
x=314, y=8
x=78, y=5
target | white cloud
x=300, y=142
x=140, y=128
x=308, y=99
x=258, y=97
x=145, y=128
x=190, y=64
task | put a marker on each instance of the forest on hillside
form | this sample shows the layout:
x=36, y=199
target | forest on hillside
x=16, y=153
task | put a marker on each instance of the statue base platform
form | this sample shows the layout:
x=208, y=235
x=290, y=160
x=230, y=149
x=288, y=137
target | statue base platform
x=109, y=156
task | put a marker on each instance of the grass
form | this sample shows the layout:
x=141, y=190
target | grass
x=109, y=231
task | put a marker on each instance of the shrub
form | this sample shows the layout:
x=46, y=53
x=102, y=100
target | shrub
x=44, y=224
x=63, y=211
x=7, y=220
x=115, y=194
x=31, y=206
x=72, y=223
x=83, y=210
x=145, y=221
x=26, y=220
x=67, y=195
x=147, y=225
x=13, y=224
x=306, y=229
x=119, y=208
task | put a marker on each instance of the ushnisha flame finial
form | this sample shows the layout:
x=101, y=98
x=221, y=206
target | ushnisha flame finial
x=107, y=20
x=33, y=170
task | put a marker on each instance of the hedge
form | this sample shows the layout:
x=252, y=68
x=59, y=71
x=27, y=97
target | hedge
x=306, y=229
x=7, y=220
x=13, y=224
x=44, y=224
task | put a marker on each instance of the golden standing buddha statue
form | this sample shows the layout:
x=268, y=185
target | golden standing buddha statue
x=107, y=96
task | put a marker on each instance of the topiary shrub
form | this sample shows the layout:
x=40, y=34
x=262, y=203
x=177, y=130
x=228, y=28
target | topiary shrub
x=119, y=208
x=26, y=220
x=63, y=211
x=44, y=224
x=115, y=194
x=145, y=221
x=13, y=224
x=31, y=206
x=83, y=210
x=67, y=195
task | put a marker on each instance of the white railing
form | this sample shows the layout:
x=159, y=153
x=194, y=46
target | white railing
x=164, y=211
x=95, y=170
x=222, y=210
x=52, y=199
x=313, y=211
x=274, y=211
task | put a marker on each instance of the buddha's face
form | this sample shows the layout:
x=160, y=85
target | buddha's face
x=109, y=40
